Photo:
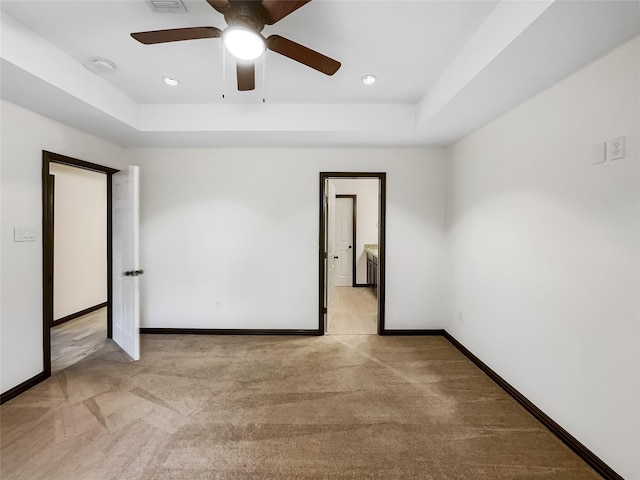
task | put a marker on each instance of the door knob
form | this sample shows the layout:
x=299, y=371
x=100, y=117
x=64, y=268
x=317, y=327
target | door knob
x=133, y=273
x=335, y=258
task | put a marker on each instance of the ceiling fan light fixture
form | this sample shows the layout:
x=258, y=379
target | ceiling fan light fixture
x=243, y=43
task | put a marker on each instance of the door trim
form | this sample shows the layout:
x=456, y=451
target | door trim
x=354, y=213
x=47, y=246
x=382, y=205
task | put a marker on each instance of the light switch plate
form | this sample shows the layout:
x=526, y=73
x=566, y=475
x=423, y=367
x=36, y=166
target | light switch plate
x=24, y=234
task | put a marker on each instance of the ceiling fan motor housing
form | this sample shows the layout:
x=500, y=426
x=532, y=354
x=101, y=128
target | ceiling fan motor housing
x=246, y=14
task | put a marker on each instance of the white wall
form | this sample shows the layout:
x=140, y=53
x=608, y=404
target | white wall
x=80, y=240
x=241, y=226
x=24, y=136
x=366, y=191
x=219, y=224
x=546, y=254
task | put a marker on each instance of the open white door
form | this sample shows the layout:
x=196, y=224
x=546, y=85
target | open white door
x=126, y=268
x=331, y=250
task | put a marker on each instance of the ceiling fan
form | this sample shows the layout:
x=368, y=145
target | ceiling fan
x=245, y=20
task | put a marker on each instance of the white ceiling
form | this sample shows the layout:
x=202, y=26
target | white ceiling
x=444, y=68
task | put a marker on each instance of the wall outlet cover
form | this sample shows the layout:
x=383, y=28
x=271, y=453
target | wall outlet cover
x=615, y=148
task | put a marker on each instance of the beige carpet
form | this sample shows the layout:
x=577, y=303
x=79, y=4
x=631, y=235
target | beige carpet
x=231, y=407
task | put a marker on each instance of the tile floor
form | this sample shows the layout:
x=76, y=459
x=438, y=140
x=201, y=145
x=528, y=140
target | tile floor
x=354, y=312
x=76, y=339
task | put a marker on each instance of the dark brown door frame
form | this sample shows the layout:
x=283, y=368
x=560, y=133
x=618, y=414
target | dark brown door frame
x=47, y=245
x=382, y=205
x=354, y=236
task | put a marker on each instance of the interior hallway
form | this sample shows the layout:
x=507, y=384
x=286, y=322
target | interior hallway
x=354, y=312
x=78, y=338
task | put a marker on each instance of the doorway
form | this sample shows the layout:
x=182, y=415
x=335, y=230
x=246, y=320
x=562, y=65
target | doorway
x=352, y=228
x=100, y=311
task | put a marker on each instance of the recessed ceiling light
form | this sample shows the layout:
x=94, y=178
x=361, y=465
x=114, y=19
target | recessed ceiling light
x=369, y=79
x=104, y=65
x=171, y=81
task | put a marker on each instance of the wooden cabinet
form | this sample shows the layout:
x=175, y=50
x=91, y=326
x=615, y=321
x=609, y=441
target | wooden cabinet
x=372, y=272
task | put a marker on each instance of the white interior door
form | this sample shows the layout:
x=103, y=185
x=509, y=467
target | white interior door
x=331, y=249
x=126, y=268
x=344, y=241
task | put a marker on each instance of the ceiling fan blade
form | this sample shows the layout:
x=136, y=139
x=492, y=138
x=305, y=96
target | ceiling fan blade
x=246, y=76
x=220, y=5
x=176, y=34
x=302, y=54
x=276, y=10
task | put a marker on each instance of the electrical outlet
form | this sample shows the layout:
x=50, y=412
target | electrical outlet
x=615, y=148
x=460, y=316
x=218, y=304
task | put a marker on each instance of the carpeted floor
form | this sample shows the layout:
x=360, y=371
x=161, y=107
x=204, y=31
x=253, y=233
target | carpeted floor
x=243, y=407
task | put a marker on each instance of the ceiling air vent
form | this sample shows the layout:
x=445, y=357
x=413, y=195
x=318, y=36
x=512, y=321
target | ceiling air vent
x=167, y=6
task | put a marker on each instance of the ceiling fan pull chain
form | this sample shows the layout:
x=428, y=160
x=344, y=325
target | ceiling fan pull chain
x=224, y=67
x=264, y=83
